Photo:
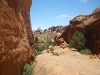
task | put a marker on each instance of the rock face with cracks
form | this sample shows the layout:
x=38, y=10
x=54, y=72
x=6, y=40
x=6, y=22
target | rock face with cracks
x=15, y=36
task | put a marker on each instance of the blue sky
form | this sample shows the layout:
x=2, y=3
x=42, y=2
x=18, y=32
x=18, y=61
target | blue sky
x=47, y=13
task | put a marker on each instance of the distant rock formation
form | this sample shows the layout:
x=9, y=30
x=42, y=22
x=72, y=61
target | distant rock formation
x=56, y=39
x=89, y=25
x=55, y=28
x=45, y=30
x=38, y=31
x=15, y=36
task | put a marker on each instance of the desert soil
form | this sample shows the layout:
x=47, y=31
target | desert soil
x=68, y=62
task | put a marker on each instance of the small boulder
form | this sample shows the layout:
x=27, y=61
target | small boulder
x=64, y=45
x=59, y=41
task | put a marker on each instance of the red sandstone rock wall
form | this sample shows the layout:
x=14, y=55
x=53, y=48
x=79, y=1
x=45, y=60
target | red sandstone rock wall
x=15, y=36
x=89, y=25
x=71, y=28
x=91, y=31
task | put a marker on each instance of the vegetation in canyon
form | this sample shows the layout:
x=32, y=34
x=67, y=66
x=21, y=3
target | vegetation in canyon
x=27, y=70
x=78, y=42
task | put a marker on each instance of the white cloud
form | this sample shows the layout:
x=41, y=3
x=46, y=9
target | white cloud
x=83, y=1
x=63, y=16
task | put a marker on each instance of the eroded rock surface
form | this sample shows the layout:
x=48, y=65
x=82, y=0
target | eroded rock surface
x=15, y=36
x=89, y=25
x=71, y=28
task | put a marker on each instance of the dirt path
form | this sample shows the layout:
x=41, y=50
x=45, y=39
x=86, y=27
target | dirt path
x=67, y=63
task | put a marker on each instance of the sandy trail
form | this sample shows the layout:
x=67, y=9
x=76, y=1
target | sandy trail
x=67, y=62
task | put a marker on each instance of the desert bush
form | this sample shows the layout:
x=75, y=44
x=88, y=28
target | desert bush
x=77, y=41
x=86, y=51
x=40, y=46
x=27, y=70
x=51, y=49
x=55, y=53
x=46, y=39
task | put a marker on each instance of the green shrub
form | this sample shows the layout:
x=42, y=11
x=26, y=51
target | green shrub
x=47, y=44
x=77, y=41
x=27, y=70
x=40, y=46
x=51, y=49
x=86, y=51
x=55, y=53
x=37, y=53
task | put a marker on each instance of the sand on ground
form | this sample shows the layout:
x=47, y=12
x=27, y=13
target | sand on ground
x=68, y=62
